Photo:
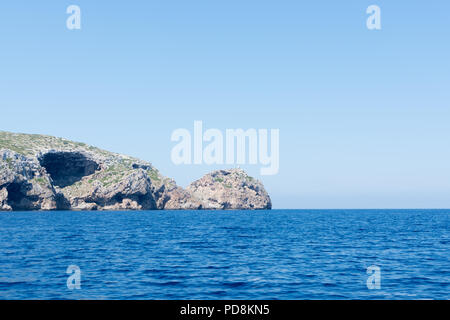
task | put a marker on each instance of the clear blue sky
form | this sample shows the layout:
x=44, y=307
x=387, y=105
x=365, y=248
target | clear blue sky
x=364, y=116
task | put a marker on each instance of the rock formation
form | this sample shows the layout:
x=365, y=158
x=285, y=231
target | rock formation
x=40, y=172
x=230, y=189
x=24, y=184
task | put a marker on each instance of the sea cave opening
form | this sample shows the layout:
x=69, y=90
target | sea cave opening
x=66, y=168
x=17, y=196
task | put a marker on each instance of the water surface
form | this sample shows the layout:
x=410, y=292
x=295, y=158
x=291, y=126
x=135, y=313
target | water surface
x=278, y=254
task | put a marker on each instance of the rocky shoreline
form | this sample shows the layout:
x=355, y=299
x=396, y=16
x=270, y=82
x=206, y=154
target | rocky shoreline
x=39, y=172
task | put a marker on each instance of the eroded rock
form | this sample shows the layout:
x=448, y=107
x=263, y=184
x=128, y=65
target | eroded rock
x=132, y=191
x=25, y=184
x=46, y=173
x=230, y=189
x=176, y=198
x=4, y=206
x=65, y=168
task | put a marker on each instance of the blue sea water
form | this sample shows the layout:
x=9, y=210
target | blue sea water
x=278, y=254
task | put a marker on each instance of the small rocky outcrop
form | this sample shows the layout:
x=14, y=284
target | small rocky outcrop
x=40, y=172
x=230, y=189
x=4, y=206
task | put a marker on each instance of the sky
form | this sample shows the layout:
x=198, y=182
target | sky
x=363, y=115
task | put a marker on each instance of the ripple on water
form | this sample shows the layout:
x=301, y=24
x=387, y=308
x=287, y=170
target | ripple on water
x=278, y=254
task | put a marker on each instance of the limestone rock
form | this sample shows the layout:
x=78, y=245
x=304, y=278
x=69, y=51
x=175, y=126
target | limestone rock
x=131, y=191
x=176, y=198
x=3, y=203
x=40, y=172
x=24, y=184
x=230, y=189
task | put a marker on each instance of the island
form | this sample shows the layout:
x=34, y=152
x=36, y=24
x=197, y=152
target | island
x=40, y=172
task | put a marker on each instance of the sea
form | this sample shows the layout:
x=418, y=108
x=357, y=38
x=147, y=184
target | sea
x=273, y=254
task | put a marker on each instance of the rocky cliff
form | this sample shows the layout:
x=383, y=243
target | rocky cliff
x=40, y=172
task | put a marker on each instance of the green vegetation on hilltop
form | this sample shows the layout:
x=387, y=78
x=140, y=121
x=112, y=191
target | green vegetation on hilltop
x=30, y=144
x=114, y=166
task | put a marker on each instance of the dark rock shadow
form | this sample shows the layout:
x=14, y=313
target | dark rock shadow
x=66, y=168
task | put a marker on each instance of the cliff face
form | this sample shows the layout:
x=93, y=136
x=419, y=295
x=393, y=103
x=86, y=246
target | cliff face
x=24, y=184
x=40, y=172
